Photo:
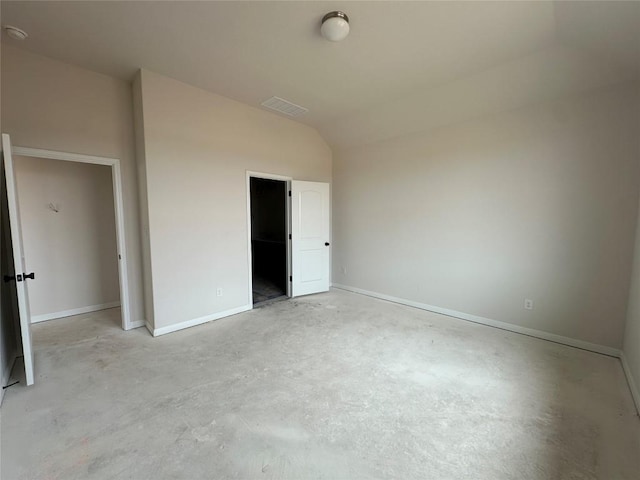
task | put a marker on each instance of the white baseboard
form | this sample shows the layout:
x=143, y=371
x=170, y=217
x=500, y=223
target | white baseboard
x=635, y=393
x=76, y=311
x=6, y=375
x=136, y=324
x=196, y=321
x=593, y=347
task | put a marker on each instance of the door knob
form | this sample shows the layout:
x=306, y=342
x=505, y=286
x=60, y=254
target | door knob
x=8, y=278
x=326, y=244
x=25, y=276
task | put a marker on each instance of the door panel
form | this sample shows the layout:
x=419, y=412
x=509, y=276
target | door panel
x=314, y=266
x=310, y=205
x=18, y=259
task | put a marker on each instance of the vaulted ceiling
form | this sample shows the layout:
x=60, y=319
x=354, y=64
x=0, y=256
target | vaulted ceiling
x=405, y=67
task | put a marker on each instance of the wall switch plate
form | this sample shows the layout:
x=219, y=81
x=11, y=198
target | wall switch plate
x=528, y=304
x=219, y=292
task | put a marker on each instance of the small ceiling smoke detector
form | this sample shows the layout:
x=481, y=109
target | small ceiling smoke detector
x=15, y=32
x=335, y=26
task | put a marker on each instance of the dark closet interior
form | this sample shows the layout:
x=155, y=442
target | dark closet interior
x=268, y=238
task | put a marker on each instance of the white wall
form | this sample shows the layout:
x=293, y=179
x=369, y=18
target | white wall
x=538, y=203
x=198, y=147
x=52, y=105
x=72, y=251
x=631, y=348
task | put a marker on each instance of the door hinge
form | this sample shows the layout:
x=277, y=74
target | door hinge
x=289, y=236
x=290, y=278
x=289, y=192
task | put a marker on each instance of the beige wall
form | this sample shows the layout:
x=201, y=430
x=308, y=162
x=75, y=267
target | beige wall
x=51, y=105
x=72, y=251
x=631, y=348
x=198, y=147
x=537, y=203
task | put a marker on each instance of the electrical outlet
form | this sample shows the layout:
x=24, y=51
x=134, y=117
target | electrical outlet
x=219, y=292
x=344, y=270
x=528, y=304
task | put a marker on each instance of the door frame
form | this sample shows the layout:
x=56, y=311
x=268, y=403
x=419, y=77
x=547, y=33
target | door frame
x=116, y=176
x=268, y=176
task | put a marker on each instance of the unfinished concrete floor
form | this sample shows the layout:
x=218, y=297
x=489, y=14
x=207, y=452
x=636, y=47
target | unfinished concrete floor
x=331, y=386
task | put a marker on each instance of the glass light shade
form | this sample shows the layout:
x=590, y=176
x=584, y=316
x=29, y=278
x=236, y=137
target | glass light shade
x=15, y=32
x=335, y=29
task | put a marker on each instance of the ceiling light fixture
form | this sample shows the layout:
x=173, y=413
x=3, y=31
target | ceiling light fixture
x=335, y=26
x=15, y=32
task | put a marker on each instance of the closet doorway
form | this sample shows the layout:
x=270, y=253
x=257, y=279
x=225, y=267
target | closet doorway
x=18, y=275
x=269, y=231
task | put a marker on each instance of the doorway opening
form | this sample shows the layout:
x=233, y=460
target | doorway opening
x=18, y=275
x=269, y=234
x=60, y=201
x=67, y=218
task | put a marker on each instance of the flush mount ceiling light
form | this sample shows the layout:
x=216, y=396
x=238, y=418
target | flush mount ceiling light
x=335, y=26
x=15, y=32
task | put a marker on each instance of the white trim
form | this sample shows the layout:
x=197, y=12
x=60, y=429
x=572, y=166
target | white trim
x=65, y=156
x=635, y=392
x=6, y=376
x=289, y=240
x=114, y=163
x=592, y=347
x=118, y=203
x=149, y=327
x=197, y=321
x=74, y=311
x=137, y=324
x=249, y=253
x=268, y=176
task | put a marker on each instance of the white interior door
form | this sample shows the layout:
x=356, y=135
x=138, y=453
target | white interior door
x=18, y=259
x=310, y=237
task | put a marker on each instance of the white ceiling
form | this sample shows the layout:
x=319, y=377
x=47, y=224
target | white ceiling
x=405, y=67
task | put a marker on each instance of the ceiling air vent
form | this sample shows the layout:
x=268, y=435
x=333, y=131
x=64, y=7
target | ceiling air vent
x=280, y=105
